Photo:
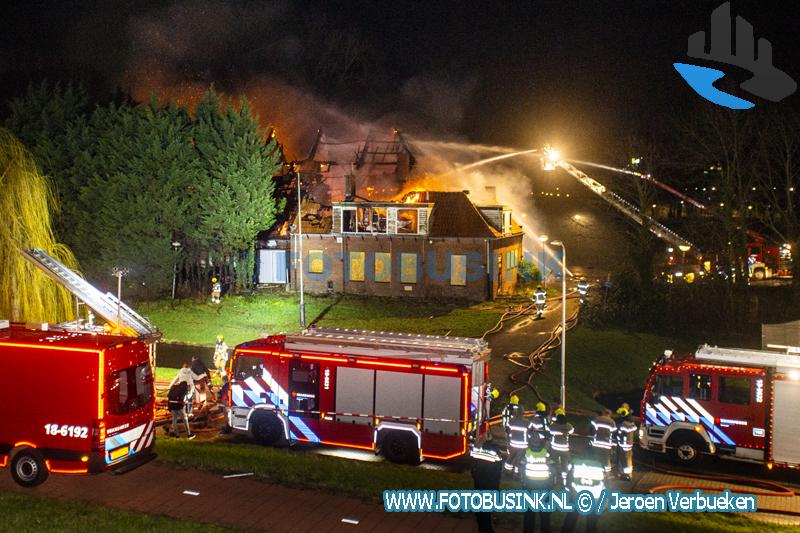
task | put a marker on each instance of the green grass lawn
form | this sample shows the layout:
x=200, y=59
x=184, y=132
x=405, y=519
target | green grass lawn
x=360, y=479
x=602, y=362
x=22, y=512
x=242, y=318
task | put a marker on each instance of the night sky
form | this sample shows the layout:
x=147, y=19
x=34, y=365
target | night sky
x=581, y=75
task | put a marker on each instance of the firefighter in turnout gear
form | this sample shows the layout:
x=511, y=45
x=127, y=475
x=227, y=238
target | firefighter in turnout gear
x=560, y=430
x=626, y=433
x=216, y=291
x=221, y=355
x=585, y=475
x=540, y=300
x=603, y=430
x=539, y=423
x=486, y=470
x=516, y=433
x=537, y=474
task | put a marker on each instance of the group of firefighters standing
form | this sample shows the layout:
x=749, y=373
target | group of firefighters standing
x=538, y=453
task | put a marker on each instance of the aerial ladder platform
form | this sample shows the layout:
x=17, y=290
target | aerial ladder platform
x=122, y=318
x=622, y=205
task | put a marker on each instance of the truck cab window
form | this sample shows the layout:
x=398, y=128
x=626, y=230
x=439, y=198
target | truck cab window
x=666, y=385
x=700, y=387
x=303, y=386
x=129, y=389
x=247, y=367
x=734, y=390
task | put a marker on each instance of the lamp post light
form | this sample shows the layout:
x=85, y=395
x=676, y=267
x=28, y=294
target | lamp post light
x=119, y=272
x=543, y=262
x=684, y=248
x=300, y=254
x=563, y=321
x=175, y=246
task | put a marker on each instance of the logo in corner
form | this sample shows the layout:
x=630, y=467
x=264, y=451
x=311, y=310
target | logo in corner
x=767, y=82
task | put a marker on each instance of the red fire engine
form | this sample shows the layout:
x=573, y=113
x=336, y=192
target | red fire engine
x=407, y=396
x=737, y=404
x=766, y=262
x=77, y=398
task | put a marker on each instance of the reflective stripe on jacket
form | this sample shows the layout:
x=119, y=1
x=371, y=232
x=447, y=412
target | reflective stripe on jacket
x=603, y=429
x=626, y=434
x=560, y=436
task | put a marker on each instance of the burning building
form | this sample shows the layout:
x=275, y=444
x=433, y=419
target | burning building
x=427, y=244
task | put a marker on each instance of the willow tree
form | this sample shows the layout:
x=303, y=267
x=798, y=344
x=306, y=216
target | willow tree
x=26, y=205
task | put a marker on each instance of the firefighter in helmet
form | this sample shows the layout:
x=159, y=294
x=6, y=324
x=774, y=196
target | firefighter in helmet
x=603, y=430
x=516, y=433
x=626, y=433
x=486, y=470
x=539, y=422
x=537, y=474
x=560, y=430
x=221, y=355
x=216, y=290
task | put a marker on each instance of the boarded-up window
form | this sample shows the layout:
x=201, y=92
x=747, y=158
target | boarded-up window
x=316, y=264
x=408, y=268
x=383, y=267
x=356, y=266
x=511, y=260
x=458, y=270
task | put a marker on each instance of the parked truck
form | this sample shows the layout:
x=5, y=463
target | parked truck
x=75, y=402
x=407, y=396
x=733, y=403
x=77, y=396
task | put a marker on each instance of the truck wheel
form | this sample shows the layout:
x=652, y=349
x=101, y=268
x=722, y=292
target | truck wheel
x=400, y=447
x=28, y=468
x=759, y=274
x=686, y=449
x=266, y=428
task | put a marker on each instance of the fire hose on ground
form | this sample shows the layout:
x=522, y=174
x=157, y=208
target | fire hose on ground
x=768, y=488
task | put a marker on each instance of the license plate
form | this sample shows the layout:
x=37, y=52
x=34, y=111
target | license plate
x=119, y=452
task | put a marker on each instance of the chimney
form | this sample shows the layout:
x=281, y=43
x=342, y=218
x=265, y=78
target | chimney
x=491, y=194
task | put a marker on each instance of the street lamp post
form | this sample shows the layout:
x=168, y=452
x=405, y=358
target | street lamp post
x=119, y=272
x=563, y=322
x=300, y=256
x=543, y=262
x=175, y=246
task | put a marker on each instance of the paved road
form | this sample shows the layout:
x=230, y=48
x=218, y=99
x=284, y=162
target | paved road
x=524, y=334
x=239, y=503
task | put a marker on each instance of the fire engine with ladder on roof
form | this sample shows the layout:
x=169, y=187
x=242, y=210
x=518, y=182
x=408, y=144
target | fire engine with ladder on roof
x=407, y=396
x=733, y=403
x=78, y=397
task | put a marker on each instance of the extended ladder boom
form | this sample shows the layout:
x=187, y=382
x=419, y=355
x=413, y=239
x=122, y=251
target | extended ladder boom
x=106, y=305
x=624, y=206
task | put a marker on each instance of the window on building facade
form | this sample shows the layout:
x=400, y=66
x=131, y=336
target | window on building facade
x=379, y=219
x=383, y=267
x=316, y=263
x=349, y=217
x=356, y=266
x=408, y=268
x=458, y=270
x=407, y=220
